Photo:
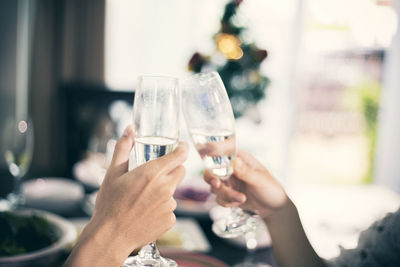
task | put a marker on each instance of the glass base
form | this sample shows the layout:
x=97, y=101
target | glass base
x=16, y=199
x=149, y=262
x=252, y=264
x=236, y=224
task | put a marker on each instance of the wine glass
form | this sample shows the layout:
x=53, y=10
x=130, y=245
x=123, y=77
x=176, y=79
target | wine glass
x=156, y=121
x=17, y=150
x=209, y=118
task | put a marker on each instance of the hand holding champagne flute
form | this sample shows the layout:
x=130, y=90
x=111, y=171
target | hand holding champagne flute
x=209, y=118
x=156, y=121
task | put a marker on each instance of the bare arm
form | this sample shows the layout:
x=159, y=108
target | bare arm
x=290, y=243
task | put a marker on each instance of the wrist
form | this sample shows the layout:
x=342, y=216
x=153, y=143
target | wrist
x=281, y=213
x=109, y=236
x=100, y=245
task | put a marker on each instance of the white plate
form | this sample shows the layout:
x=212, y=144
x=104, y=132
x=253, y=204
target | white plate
x=185, y=235
x=91, y=170
x=58, y=195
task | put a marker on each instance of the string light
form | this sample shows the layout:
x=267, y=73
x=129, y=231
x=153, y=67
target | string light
x=229, y=45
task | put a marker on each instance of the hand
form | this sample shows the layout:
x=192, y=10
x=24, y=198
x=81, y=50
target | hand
x=251, y=187
x=132, y=208
x=225, y=147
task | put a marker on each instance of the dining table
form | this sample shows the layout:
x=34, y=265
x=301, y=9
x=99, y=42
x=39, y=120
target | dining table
x=221, y=249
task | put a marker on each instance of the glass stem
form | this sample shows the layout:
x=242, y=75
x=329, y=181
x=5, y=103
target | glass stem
x=238, y=216
x=15, y=197
x=16, y=186
x=149, y=251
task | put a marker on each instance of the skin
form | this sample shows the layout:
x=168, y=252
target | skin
x=253, y=188
x=132, y=208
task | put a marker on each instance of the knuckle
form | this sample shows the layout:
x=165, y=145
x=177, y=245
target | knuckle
x=180, y=153
x=154, y=167
x=174, y=204
x=151, y=172
x=170, y=191
x=172, y=218
x=170, y=221
x=157, y=170
x=148, y=176
x=167, y=191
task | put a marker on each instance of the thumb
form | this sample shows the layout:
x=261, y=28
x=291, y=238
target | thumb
x=120, y=161
x=245, y=172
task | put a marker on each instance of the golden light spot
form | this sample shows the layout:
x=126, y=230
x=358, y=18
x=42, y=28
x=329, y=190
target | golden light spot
x=229, y=45
x=237, y=54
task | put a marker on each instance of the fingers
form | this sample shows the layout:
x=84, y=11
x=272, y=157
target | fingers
x=249, y=159
x=211, y=179
x=221, y=148
x=120, y=162
x=225, y=195
x=228, y=197
x=176, y=176
x=246, y=168
x=172, y=204
x=246, y=173
x=169, y=162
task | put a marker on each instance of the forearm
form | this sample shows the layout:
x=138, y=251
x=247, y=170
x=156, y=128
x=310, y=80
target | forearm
x=96, y=247
x=290, y=244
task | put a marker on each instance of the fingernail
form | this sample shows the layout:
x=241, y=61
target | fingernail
x=215, y=183
x=127, y=131
x=239, y=199
x=238, y=164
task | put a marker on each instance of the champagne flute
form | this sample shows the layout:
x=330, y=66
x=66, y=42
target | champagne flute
x=156, y=120
x=17, y=151
x=209, y=118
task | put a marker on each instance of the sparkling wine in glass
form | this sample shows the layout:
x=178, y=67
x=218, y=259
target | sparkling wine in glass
x=156, y=121
x=209, y=118
x=17, y=150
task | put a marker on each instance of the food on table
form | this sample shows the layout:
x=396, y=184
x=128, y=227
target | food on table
x=21, y=234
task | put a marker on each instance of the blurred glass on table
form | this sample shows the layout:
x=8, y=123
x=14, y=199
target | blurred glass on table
x=17, y=149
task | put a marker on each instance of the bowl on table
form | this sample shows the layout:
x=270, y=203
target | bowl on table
x=31, y=237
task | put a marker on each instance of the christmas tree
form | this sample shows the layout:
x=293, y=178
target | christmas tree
x=240, y=64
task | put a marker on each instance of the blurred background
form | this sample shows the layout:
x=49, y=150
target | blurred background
x=314, y=85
